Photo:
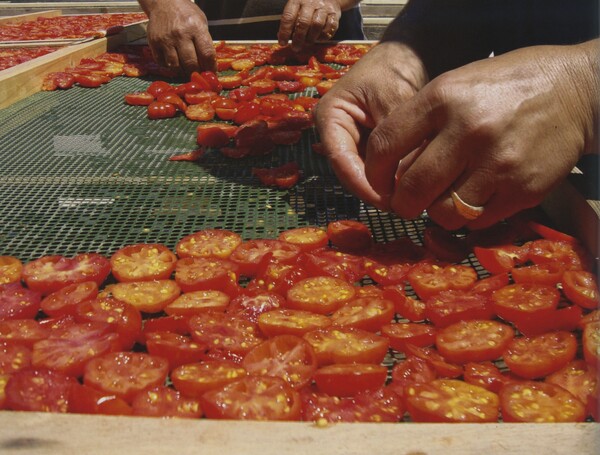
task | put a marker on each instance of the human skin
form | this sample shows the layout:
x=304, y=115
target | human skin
x=178, y=32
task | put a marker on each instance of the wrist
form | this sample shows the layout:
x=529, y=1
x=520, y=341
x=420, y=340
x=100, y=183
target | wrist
x=404, y=61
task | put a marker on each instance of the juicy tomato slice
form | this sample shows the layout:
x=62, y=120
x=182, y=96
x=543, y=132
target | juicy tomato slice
x=449, y=307
x=13, y=357
x=571, y=256
x=321, y=294
x=250, y=307
x=406, y=307
x=326, y=261
x=442, y=367
x=64, y=301
x=538, y=402
x=10, y=269
x=349, y=379
x=581, y=288
x=38, y=390
x=253, y=398
x=163, y=402
x=160, y=110
x=500, y=259
x=22, y=331
x=195, y=379
x=143, y=262
x=591, y=343
x=306, y=238
x=215, y=135
x=349, y=235
x=87, y=400
x=490, y=284
x=486, y=375
x=175, y=324
x=291, y=322
x=366, y=313
x=225, y=332
x=473, y=341
x=282, y=177
x=410, y=371
x=196, y=302
x=581, y=380
x=218, y=243
x=125, y=374
x=541, y=355
x=146, y=296
x=567, y=318
x=347, y=345
x=250, y=253
x=288, y=357
x=69, y=349
x=50, y=273
x=549, y=273
x=451, y=400
x=444, y=245
x=520, y=300
x=408, y=332
x=139, y=98
x=158, y=87
x=428, y=279
x=274, y=277
x=381, y=405
x=201, y=274
x=125, y=319
x=18, y=302
x=177, y=349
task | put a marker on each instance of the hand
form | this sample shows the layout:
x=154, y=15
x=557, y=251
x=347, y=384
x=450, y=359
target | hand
x=306, y=21
x=178, y=35
x=388, y=75
x=501, y=132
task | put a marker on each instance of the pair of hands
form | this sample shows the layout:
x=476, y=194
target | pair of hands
x=501, y=132
x=179, y=38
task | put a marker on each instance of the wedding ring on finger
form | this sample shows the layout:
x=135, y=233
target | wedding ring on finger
x=467, y=211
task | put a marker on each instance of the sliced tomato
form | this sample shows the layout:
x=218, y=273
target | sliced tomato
x=87, y=400
x=326, y=261
x=10, y=269
x=321, y=294
x=282, y=177
x=50, y=273
x=175, y=348
x=139, y=98
x=196, y=302
x=549, y=233
x=164, y=402
x=581, y=288
x=125, y=374
x=22, y=331
x=175, y=324
x=591, y=343
x=582, y=381
x=218, y=243
x=571, y=256
x=246, y=112
x=160, y=110
x=449, y=307
x=444, y=245
x=486, y=375
x=550, y=273
x=253, y=398
x=408, y=372
x=349, y=235
x=442, y=367
x=18, y=302
x=174, y=99
x=541, y=355
x=13, y=357
x=146, y=296
x=500, y=259
x=64, y=301
x=538, y=402
x=251, y=306
x=341, y=345
x=214, y=134
x=274, y=277
x=406, y=307
x=367, y=313
x=286, y=321
x=143, y=262
x=194, y=379
x=567, y=318
x=158, y=87
x=38, y=390
x=490, y=284
x=251, y=252
x=451, y=400
x=306, y=238
x=349, y=379
x=428, y=278
x=408, y=332
x=203, y=273
x=517, y=301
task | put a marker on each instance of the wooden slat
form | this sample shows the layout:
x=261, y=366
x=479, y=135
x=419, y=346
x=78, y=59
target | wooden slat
x=29, y=17
x=41, y=434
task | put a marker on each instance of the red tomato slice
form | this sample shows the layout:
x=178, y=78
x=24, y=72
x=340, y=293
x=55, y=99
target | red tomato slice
x=18, y=302
x=87, y=400
x=143, y=262
x=263, y=86
x=341, y=345
x=139, y=98
x=406, y=307
x=306, y=238
x=51, y=273
x=218, y=243
x=444, y=245
x=253, y=398
x=160, y=110
x=549, y=273
x=282, y=177
x=349, y=379
x=214, y=134
x=291, y=322
x=202, y=274
x=366, y=313
x=250, y=307
x=581, y=380
x=349, y=235
x=326, y=261
x=288, y=357
x=442, y=367
x=158, y=87
x=196, y=302
x=321, y=294
x=10, y=269
x=177, y=349
x=13, y=357
x=38, y=390
x=174, y=99
x=64, y=301
x=567, y=318
x=408, y=332
x=517, y=301
x=164, y=402
x=146, y=296
x=449, y=307
x=490, y=284
x=125, y=374
x=486, y=375
x=581, y=288
x=549, y=233
x=538, y=402
x=591, y=343
x=251, y=252
x=541, y=355
x=500, y=259
x=428, y=279
x=473, y=341
x=451, y=400
x=195, y=379
x=175, y=324
x=22, y=331
x=570, y=255
x=381, y=405
x=410, y=371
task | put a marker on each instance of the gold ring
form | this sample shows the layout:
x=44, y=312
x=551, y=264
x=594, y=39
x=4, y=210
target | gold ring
x=467, y=211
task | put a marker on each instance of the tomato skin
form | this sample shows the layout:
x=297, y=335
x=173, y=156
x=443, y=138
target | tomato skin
x=582, y=381
x=38, y=390
x=164, y=402
x=500, y=259
x=539, y=356
x=160, y=110
x=520, y=300
x=64, y=301
x=158, y=87
x=534, y=401
x=286, y=321
x=321, y=294
x=253, y=398
x=444, y=245
x=87, y=400
x=407, y=332
x=581, y=288
x=428, y=279
x=349, y=379
x=450, y=400
x=449, y=307
x=10, y=269
x=143, y=262
x=550, y=273
x=349, y=235
x=18, y=302
x=250, y=253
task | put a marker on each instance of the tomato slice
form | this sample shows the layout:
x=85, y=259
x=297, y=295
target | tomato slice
x=428, y=279
x=50, y=273
x=366, y=313
x=175, y=324
x=321, y=294
x=408, y=332
x=490, y=284
x=146, y=296
x=10, y=269
x=139, y=98
x=250, y=307
x=288, y=357
x=444, y=245
x=18, y=302
x=194, y=379
x=124, y=374
x=486, y=375
x=349, y=379
x=218, y=243
x=381, y=405
x=410, y=371
x=87, y=400
x=22, y=331
x=349, y=235
x=517, y=301
x=143, y=262
x=571, y=256
x=347, y=345
x=549, y=233
x=473, y=340
x=581, y=380
x=442, y=367
x=196, y=302
x=449, y=307
x=286, y=321
x=591, y=343
x=177, y=349
x=541, y=355
x=326, y=261
x=282, y=177
x=163, y=402
x=251, y=252
x=538, y=402
x=202, y=274
x=253, y=398
x=581, y=288
x=160, y=110
x=451, y=400
x=567, y=318
x=549, y=273
x=306, y=238
x=406, y=307
x=64, y=301
x=13, y=357
x=500, y=259
x=38, y=390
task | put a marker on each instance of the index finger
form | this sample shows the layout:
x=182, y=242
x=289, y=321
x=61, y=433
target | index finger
x=288, y=20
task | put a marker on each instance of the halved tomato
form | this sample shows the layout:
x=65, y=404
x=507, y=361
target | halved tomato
x=205, y=273
x=581, y=379
x=250, y=253
x=521, y=300
x=10, y=269
x=64, y=301
x=320, y=294
x=449, y=307
x=194, y=379
x=581, y=288
x=286, y=321
x=143, y=262
x=18, y=302
x=486, y=375
x=146, y=296
x=306, y=238
x=349, y=235
x=162, y=401
x=349, y=379
x=38, y=390
x=175, y=348
x=13, y=357
x=366, y=313
x=196, y=302
x=218, y=243
x=428, y=278
x=87, y=400
x=408, y=332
